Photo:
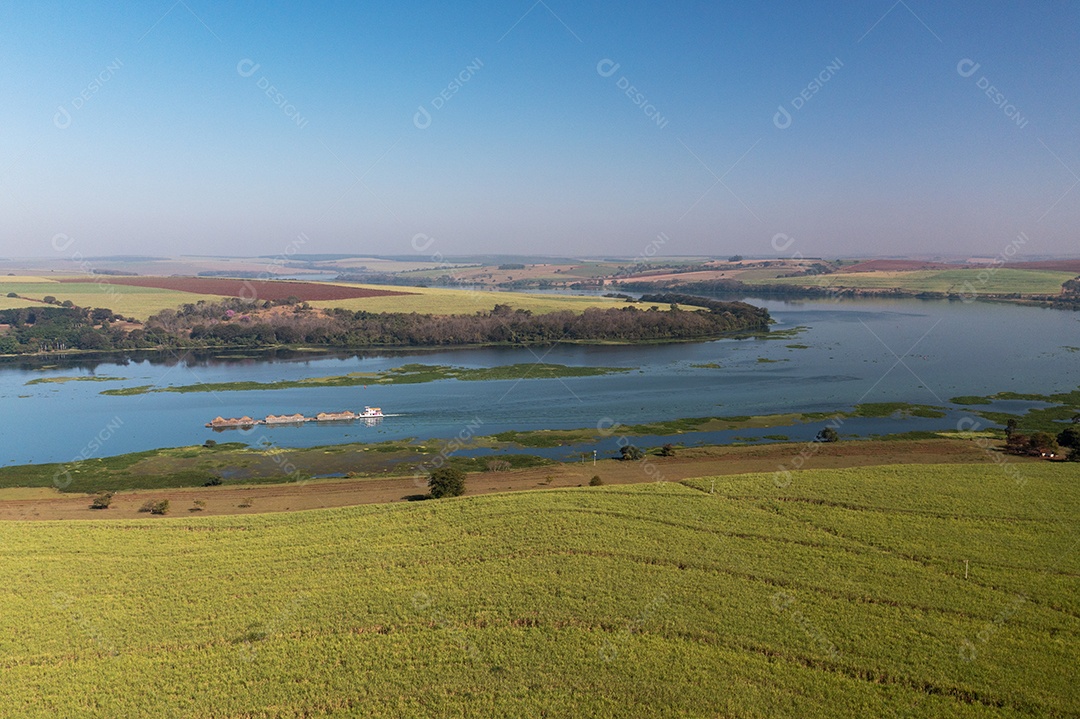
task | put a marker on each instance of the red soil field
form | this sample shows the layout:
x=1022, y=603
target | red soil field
x=898, y=266
x=250, y=289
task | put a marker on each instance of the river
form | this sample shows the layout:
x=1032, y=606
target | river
x=855, y=351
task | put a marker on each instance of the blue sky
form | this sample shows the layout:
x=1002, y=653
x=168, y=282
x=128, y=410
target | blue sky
x=148, y=127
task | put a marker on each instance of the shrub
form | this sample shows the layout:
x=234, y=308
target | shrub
x=212, y=482
x=595, y=481
x=160, y=507
x=667, y=451
x=447, y=482
x=12, y=294
x=148, y=506
x=1069, y=438
x=498, y=465
x=631, y=453
x=102, y=501
x=199, y=505
x=209, y=443
x=827, y=435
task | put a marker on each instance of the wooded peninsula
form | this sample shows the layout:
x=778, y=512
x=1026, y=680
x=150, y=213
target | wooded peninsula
x=240, y=323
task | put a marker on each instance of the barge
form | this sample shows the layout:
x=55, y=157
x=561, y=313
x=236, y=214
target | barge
x=245, y=422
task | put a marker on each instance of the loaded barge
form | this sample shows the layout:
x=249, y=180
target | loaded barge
x=369, y=413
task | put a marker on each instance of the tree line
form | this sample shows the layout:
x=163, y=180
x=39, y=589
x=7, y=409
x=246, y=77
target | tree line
x=340, y=327
x=238, y=323
x=56, y=329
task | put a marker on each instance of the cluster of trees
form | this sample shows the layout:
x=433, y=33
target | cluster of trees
x=818, y=268
x=630, y=453
x=828, y=434
x=714, y=306
x=234, y=322
x=530, y=284
x=1038, y=444
x=212, y=324
x=55, y=329
x=656, y=266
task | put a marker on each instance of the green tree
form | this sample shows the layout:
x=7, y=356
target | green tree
x=1042, y=443
x=827, y=435
x=447, y=482
x=1069, y=438
x=631, y=453
x=1016, y=443
x=667, y=450
x=595, y=481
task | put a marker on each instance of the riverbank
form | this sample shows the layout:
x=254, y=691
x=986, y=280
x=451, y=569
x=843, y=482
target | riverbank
x=45, y=503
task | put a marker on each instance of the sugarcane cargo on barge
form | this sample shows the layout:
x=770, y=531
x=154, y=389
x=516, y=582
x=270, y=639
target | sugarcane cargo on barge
x=271, y=419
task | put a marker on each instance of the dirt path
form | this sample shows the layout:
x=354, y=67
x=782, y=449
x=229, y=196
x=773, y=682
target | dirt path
x=697, y=462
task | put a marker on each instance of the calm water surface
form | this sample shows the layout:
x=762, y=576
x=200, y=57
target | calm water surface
x=857, y=351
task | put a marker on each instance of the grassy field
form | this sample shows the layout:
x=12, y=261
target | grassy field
x=141, y=302
x=137, y=302
x=841, y=594
x=451, y=302
x=999, y=281
x=240, y=464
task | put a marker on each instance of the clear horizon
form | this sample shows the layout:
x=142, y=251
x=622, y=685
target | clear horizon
x=881, y=130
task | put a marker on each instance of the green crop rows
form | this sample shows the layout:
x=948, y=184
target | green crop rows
x=842, y=593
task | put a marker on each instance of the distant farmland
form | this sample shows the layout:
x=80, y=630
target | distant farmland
x=252, y=289
x=141, y=297
x=988, y=279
